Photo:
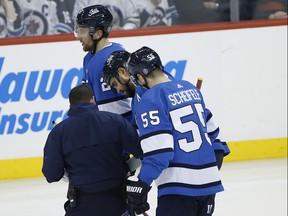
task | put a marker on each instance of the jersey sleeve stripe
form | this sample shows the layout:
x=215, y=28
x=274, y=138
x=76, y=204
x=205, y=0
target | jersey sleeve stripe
x=211, y=133
x=157, y=142
x=145, y=136
x=118, y=107
x=190, y=166
x=189, y=185
x=112, y=99
x=211, y=125
x=189, y=176
x=158, y=152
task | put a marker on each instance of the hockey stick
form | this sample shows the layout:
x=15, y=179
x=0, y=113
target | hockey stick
x=199, y=83
x=133, y=164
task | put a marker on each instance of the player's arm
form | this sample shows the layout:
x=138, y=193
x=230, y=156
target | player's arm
x=157, y=144
x=220, y=146
x=156, y=139
x=129, y=138
x=53, y=164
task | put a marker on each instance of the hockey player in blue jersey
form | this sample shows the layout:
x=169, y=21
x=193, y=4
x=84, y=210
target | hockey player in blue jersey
x=116, y=74
x=178, y=154
x=93, y=25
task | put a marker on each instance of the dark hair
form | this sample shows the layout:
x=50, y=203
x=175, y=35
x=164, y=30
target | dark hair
x=81, y=93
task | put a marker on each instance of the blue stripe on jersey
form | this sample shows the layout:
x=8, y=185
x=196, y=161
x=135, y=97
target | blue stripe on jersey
x=112, y=99
x=155, y=133
x=189, y=185
x=157, y=152
x=213, y=133
x=189, y=166
x=184, y=189
x=197, y=182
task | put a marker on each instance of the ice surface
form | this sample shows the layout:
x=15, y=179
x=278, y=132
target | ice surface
x=252, y=188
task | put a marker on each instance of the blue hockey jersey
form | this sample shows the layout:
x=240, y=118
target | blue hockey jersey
x=178, y=153
x=136, y=98
x=213, y=130
x=107, y=99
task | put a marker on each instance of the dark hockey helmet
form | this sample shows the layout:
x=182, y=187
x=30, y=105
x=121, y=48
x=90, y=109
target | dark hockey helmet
x=115, y=60
x=143, y=61
x=93, y=17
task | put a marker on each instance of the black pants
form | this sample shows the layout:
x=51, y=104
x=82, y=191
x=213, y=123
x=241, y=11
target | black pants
x=106, y=203
x=177, y=205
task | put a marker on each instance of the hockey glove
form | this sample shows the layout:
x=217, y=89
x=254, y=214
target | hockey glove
x=219, y=154
x=137, y=197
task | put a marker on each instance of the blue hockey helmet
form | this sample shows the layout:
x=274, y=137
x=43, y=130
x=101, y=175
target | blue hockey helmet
x=115, y=60
x=143, y=61
x=93, y=17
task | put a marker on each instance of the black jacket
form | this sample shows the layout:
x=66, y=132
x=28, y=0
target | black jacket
x=89, y=145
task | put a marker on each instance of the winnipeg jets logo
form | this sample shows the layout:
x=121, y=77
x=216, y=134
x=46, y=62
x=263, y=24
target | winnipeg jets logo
x=109, y=60
x=93, y=11
x=36, y=23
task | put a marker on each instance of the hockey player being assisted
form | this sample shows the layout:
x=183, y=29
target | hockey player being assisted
x=89, y=147
x=178, y=154
x=93, y=25
x=115, y=73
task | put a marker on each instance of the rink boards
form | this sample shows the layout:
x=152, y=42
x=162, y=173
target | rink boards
x=244, y=85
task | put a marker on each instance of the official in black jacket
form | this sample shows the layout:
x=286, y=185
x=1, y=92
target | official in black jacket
x=89, y=147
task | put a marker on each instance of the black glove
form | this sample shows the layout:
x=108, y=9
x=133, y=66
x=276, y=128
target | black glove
x=219, y=154
x=137, y=197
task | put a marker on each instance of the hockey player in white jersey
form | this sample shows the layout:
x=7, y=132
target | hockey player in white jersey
x=157, y=13
x=125, y=14
x=178, y=154
x=7, y=14
x=40, y=17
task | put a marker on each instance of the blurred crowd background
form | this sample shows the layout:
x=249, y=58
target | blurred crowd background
x=47, y=17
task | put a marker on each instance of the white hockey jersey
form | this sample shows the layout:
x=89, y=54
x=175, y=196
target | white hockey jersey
x=125, y=13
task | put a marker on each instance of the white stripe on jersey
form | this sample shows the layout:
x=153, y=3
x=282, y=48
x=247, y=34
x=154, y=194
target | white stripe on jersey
x=211, y=125
x=189, y=176
x=118, y=107
x=157, y=142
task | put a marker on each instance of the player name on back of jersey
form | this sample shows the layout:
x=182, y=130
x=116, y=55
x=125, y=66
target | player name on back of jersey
x=184, y=96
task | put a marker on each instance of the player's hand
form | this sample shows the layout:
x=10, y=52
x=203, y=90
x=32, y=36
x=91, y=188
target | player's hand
x=137, y=197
